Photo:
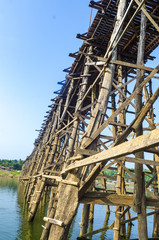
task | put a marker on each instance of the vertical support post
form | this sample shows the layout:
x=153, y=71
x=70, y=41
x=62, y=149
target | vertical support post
x=139, y=186
x=91, y=217
x=156, y=190
x=84, y=219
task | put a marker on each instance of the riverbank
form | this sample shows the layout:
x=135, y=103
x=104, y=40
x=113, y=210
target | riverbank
x=10, y=174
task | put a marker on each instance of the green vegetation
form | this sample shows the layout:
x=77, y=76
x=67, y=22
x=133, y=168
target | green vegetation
x=113, y=173
x=11, y=164
x=9, y=173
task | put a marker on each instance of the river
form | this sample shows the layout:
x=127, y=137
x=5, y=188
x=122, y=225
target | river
x=13, y=217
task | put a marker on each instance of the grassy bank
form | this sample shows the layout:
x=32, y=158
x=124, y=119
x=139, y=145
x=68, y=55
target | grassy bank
x=11, y=174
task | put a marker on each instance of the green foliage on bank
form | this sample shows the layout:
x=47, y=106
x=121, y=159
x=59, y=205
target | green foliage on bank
x=11, y=164
x=9, y=173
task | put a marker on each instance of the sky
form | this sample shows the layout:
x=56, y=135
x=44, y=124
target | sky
x=36, y=37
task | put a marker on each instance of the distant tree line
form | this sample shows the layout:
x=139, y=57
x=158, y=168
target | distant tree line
x=12, y=164
x=113, y=173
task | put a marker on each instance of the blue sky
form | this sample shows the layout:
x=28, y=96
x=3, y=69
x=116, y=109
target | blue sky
x=36, y=37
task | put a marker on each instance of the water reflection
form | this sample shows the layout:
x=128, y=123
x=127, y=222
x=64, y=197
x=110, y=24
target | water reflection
x=103, y=234
x=33, y=230
x=8, y=203
x=9, y=184
x=14, y=215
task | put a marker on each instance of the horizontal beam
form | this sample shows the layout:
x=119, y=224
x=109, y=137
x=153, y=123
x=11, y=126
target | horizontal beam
x=139, y=160
x=135, y=218
x=102, y=61
x=138, y=144
x=111, y=199
x=98, y=230
x=96, y=133
x=59, y=179
x=114, y=199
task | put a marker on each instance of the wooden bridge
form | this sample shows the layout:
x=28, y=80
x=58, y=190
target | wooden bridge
x=105, y=115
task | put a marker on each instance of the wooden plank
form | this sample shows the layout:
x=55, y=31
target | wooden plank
x=98, y=230
x=135, y=123
x=122, y=107
x=54, y=221
x=69, y=182
x=118, y=124
x=133, y=177
x=147, y=140
x=139, y=160
x=111, y=199
x=122, y=63
x=67, y=125
x=86, y=152
x=152, y=179
x=135, y=218
x=152, y=150
x=114, y=199
x=111, y=45
x=148, y=16
x=130, y=21
x=96, y=170
x=146, y=108
x=59, y=179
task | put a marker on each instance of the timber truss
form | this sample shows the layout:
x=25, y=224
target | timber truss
x=102, y=118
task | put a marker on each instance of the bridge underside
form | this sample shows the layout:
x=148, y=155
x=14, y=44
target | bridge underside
x=105, y=117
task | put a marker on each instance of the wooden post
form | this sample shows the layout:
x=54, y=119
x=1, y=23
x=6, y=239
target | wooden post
x=94, y=123
x=139, y=192
x=91, y=217
x=69, y=152
x=71, y=148
x=84, y=219
x=156, y=191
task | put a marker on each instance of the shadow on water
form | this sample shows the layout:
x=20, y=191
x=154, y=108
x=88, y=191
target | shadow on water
x=33, y=230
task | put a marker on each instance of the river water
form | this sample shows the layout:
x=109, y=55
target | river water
x=13, y=217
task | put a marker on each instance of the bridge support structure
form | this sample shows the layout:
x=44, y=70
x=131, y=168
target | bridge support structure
x=103, y=118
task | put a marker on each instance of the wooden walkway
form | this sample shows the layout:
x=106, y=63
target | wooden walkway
x=105, y=115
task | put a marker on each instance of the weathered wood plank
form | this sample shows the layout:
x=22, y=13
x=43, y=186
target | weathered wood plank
x=148, y=16
x=147, y=140
x=59, y=179
x=98, y=230
x=132, y=65
x=54, y=221
x=86, y=152
x=114, y=199
x=139, y=160
x=96, y=133
x=135, y=218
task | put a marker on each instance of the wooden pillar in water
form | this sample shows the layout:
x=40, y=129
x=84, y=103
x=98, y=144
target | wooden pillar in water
x=70, y=192
x=119, y=230
x=40, y=185
x=73, y=139
x=84, y=219
x=156, y=191
x=139, y=186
